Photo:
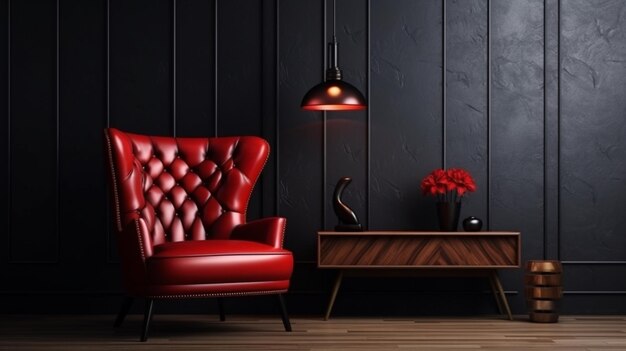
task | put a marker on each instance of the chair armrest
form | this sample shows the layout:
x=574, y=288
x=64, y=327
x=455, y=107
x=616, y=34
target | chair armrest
x=270, y=231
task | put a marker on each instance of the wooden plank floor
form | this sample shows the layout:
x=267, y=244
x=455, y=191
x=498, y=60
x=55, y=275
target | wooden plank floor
x=197, y=332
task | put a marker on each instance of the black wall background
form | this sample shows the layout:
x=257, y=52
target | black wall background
x=532, y=106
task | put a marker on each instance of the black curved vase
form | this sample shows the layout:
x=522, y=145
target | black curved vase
x=448, y=213
x=347, y=220
x=472, y=224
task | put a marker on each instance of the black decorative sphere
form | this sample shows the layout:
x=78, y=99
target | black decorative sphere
x=472, y=224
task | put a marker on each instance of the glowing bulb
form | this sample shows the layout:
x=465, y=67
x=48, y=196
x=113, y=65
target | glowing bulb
x=334, y=91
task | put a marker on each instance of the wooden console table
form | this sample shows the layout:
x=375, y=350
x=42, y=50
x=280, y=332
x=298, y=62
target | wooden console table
x=394, y=253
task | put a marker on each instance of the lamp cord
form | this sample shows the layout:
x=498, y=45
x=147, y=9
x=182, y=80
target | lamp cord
x=334, y=21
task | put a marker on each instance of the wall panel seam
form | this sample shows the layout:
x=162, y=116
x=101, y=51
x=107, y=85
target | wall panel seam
x=174, y=33
x=107, y=202
x=262, y=103
x=545, y=136
x=277, y=101
x=215, y=68
x=9, y=178
x=488, y=114
x=324, y=115
x=108, y=63
x=443, y=85
x=558, y=131
x=369, y=115
x=58, y=132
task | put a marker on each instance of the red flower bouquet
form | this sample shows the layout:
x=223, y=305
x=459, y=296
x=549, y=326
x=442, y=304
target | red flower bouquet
x=448, y=186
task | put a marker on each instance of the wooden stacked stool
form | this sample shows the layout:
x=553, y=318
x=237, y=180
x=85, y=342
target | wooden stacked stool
x=544, y=287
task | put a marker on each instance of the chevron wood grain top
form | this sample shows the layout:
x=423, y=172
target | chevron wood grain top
x=419, y=249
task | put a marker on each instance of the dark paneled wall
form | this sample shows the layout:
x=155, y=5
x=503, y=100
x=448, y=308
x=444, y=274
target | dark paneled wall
x=525, y=94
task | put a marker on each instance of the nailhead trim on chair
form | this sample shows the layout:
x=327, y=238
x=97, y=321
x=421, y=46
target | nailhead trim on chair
x=118, y=215
x=143, y=254
x=282, y=240
x=269, y=292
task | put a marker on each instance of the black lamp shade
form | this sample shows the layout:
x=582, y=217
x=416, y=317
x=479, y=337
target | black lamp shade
x=333, y=95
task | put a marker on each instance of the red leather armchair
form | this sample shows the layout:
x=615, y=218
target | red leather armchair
x=180, y=217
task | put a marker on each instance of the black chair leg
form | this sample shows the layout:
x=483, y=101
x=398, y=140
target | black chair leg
x=147, y=317
x=220, y=306
x=128, y=302
x=283, y=312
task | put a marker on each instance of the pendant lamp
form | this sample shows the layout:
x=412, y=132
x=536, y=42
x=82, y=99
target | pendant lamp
x=333, y=94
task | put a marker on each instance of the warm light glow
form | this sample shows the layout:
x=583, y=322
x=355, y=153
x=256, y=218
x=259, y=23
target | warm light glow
x=334, y=107
x=334, y=91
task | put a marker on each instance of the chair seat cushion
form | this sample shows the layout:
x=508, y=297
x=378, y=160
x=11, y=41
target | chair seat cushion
x=217, y=261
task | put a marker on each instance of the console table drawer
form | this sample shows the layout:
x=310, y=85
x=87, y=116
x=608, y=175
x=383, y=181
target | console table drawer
x=419, y=249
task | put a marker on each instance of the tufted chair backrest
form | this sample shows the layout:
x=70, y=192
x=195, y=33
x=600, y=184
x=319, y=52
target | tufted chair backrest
x=183, y=188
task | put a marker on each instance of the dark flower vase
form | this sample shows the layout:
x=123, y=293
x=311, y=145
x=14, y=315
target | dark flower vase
x=448, y=213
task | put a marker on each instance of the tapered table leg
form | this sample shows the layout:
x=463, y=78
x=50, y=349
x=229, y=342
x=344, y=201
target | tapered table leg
x=333, y=295
x=496, y=280
x=495, y=294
